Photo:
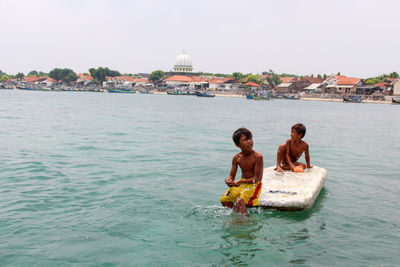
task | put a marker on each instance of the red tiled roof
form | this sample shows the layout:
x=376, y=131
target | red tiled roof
x=108, y=78
x=216, y=80
x=179, y=78
x=343, y=80
x=252, y=84
x=31, y=79
x=50, y=79
x=382, y=84
x=287, y=79
x=125, y=78
x=85, y=77
x=140, y=80
x=314, y=79
x=199, y=79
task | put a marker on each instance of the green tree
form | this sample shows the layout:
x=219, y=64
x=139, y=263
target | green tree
x=274, y=80
x=33, y=73
x=372, y=81
x=253, y=78
x=63, y=75
x=4, y=78
x=20, y=75
x=99, y=74
x=237, y=76
x=394, y=75
x=156, y=75
x=43, y=74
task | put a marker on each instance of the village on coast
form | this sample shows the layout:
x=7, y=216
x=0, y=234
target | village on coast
x=182, y=80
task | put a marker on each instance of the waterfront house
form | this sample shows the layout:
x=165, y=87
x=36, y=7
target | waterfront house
x=252, y=85
x=221, y=83
x=396, y=87
x=342, y=84
x=369, y=89
x=141, y=82
x=198, y=83
x=288, y=79
x=284, y=88
x=125, y=81
x=39, y=81
x=178, y=81
x=314, y=87
x=348, y=85
x=83, y=80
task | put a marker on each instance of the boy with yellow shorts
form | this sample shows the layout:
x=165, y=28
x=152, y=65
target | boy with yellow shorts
x=246, y=190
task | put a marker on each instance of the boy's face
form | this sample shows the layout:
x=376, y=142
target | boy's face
x=294, y=135
x=245, y=143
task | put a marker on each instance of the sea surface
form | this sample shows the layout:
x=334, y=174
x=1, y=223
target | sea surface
x=96, y=179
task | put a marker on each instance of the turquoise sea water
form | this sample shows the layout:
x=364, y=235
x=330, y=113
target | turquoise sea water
x=113, y=179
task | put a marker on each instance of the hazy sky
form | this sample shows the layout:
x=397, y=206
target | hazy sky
x=356, y=37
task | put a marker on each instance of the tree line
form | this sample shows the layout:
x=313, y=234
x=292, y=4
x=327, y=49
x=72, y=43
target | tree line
x=99, y=75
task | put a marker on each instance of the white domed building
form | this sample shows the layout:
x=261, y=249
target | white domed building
x=183, y=63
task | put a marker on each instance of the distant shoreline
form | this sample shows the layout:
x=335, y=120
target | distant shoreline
x=305, y=98
x=302, y=98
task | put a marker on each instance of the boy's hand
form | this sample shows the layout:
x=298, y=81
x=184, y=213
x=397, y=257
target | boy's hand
x=229, y=182
x=238, y=183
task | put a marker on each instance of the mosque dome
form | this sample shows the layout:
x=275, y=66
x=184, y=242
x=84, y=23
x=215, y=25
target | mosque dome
x=183, y=63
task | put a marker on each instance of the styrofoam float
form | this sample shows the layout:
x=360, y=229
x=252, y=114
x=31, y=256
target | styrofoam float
x=289, y=190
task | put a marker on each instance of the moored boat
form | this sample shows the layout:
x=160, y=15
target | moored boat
x=354, y=99
x=120, y=90
x=180, y=93
x=395, y=101
x=204, y=94
x=291, y=97
x=146, y=92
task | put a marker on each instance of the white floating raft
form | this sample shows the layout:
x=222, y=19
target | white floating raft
x=290, y=190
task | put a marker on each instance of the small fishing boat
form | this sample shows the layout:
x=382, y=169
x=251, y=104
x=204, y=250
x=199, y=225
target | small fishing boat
x=205, y=94
x=146, y=92
x=395, y=101
x=249, y=97
x=261, y=98
x=120, y=90
x=291, y=97
x=180, y=93
x=354, y=99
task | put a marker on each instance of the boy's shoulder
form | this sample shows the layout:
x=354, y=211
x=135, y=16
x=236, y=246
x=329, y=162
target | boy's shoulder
x=257, y=154
x=304, y=143
x=236, y=156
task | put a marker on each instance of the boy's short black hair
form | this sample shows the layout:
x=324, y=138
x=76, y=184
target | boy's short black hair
x=300, y=129
x=238, y=133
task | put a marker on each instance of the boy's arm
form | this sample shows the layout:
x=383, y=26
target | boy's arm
x=258, y=172
x=307, y=156
x=230, y=180
x=288, y=160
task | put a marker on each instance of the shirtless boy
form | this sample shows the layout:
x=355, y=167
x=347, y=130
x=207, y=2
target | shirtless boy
x=289, y=153
x=247, y=189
